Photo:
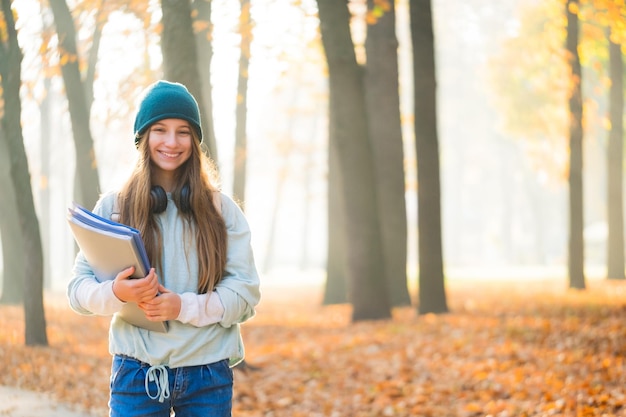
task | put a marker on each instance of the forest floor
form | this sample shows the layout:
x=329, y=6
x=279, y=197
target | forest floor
x=507, y=348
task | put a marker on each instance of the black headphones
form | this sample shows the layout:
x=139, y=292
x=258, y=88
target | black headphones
x=158, y=199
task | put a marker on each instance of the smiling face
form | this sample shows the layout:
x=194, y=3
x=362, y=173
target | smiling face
x=170, y=143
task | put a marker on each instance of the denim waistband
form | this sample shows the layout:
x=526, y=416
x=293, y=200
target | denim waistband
x=159, y=374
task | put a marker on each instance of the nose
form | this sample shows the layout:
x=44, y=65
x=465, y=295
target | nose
x=170, y=138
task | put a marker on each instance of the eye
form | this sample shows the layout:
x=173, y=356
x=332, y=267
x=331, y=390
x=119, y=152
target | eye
x=184, y=132
x=158, y=129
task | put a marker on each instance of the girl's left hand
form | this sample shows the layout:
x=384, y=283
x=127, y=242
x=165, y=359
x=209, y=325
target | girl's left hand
x=165, y=306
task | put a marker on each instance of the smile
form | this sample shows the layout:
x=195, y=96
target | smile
x=170, y=155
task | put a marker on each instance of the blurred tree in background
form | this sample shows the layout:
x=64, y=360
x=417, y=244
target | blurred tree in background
x=535, y=75
x=350, y=140
x=32, y=252
x=203, y=30
x=79, y=103
x=432, y=295
x=576, y=241
x=382, y=94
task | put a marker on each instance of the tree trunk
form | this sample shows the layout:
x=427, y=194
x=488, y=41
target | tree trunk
x=45, y=136
x=278, y=199
x=308, y=196
x=241, y=111
x=335, y=290
x=204, y=51
x=11, y=57
x=576, y=241
x=615, y=246
x=432, y=295
x=86, y=165
x=10, y=233
x=92, y=59
x=349, y=138
x=383, y=115
x=180, y=61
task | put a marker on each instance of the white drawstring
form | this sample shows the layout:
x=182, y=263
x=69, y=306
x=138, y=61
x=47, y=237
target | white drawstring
x=161, y=381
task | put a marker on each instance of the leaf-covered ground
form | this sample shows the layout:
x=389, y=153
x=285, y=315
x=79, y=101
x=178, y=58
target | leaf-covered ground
x=530, y=348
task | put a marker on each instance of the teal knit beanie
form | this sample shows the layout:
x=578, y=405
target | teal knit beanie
x=166, y=100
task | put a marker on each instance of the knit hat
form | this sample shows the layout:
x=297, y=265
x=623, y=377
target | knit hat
x=166, y=100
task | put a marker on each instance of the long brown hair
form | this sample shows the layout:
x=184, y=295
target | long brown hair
x=197, y=172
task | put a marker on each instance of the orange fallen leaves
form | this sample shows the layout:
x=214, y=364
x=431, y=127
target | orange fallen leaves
x=507, y=349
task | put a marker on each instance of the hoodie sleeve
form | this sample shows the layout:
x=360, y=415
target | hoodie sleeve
x=235, y=297
x=239, y=289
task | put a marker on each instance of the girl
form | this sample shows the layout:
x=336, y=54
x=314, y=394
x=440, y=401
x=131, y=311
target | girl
x=203, y=282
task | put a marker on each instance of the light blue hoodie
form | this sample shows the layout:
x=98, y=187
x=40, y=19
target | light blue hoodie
x=207, y=328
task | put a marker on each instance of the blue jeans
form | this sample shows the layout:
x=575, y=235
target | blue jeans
x=137, y=390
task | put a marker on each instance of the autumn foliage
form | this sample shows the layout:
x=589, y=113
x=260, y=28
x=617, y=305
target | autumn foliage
x=529, y=348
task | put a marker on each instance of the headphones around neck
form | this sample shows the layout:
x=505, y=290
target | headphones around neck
x=158, y=199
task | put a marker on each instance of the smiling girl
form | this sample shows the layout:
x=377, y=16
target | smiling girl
x=203, y=282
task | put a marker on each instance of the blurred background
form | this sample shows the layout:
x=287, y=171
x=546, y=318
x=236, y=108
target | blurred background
x=502, y=123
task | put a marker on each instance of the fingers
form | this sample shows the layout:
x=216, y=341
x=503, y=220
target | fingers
x=119, y=289
x=126, y=273
x=153, y=310
x=164, y=307
x=146, y=295
x=147, y=288
x=137, y=290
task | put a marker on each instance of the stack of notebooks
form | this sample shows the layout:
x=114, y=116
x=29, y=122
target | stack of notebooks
x=111, y=247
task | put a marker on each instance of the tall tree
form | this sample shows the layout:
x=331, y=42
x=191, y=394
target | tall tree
x=86, y=165
x=432, y=295
x=10, y=67
x=335, y=290
x=180, y=60
x=203, y=28
x=10, y=233
x=575, y=105
x=101, y=17
x=383, y=116
x=87, y=78
x=349, y=138
x=45, y=111
x=615, y=244
x=241, y=107
x=45, y=139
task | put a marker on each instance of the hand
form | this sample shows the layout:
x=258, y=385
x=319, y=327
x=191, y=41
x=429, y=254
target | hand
x=137, y=290
x=164, y=307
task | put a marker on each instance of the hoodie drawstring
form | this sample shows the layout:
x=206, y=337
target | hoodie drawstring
x=159, y=375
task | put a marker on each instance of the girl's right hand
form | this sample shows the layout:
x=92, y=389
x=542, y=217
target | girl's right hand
x=138, y=290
